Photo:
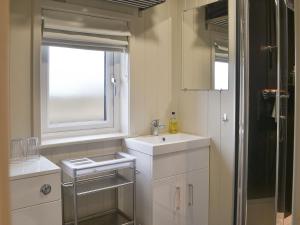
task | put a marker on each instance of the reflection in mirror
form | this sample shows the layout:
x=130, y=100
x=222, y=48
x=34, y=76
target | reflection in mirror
x=205, y=47
x=220, y=67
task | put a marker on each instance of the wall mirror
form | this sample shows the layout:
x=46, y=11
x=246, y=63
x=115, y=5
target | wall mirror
x=205, y=47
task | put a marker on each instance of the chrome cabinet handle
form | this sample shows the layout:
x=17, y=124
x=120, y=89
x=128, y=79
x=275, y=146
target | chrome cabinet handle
x=46, y=189
x=177, y=199
x=191, y=195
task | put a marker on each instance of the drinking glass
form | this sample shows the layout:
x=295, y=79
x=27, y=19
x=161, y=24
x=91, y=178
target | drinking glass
x=17, y=150
x=33, y=150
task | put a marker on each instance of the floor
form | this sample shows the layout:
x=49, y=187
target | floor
x=264, y=209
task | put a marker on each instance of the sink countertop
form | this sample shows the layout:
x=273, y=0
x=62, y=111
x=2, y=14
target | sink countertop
x=166, y=143
x=32, y=168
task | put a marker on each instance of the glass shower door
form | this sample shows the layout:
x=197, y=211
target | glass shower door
x=285, y=114
x=263, y=123
x=265, y=167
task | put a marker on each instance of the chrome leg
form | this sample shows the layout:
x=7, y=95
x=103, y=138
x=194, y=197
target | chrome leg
x=134, y=193
x=75, y=202
x=62, y=197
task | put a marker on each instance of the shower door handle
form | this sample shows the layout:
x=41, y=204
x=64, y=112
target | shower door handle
x=287, y=96
x=283, y=117
x=269, y=48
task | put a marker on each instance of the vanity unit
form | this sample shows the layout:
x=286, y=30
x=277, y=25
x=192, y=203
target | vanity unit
x=172, y=179
x=35, y=193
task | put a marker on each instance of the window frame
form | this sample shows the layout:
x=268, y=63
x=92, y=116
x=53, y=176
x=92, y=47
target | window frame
x=110, y=125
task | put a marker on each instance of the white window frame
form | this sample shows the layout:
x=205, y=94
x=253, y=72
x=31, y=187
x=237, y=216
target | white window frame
x=112, y=123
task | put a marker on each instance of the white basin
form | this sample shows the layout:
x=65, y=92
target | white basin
x=166, y=143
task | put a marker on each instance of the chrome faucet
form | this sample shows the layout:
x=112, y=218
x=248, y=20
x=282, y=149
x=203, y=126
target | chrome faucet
x=156, y=126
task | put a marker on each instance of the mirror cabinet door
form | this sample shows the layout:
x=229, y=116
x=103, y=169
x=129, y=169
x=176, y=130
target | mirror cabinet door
x=205, y=47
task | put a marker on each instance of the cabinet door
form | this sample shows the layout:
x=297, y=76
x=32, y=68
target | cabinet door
x=167, y=201
x=196, y=197
x=43, y=214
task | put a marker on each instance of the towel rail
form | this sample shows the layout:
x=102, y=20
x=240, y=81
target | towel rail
x=141, y=4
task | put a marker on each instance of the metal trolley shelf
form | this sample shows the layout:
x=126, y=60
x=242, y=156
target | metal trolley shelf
x=90, y=175
x=113, y=217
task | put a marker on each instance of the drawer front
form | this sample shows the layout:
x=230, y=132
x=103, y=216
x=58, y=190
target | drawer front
x=35, y=190
x=180, y=162
x=44, y=214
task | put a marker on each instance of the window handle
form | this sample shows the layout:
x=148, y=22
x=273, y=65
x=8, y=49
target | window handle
x=114, y=83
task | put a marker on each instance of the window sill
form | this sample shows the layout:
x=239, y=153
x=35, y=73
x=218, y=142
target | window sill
x=81, y=140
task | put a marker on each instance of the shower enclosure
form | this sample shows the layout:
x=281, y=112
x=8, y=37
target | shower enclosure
x=266, y=112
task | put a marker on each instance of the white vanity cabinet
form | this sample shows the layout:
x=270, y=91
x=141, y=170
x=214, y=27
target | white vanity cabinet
x=35, y=193
x=181, y=199
x=172, y=187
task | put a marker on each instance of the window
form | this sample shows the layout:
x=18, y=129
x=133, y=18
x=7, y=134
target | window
x=83, y=76
x=76, y=81
x=79, y=89
x=220, y=65
x=221, y=75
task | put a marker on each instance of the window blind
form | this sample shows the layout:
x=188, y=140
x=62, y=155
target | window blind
x=221, y=53
x=76, y=29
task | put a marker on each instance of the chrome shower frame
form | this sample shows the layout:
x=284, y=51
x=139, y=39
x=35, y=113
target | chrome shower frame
x=242, y=174
x=241, y=205
x=278, y=103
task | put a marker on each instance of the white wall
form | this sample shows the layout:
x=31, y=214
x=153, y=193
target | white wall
x=20, y=68
x=4, y=113
x=151, y=67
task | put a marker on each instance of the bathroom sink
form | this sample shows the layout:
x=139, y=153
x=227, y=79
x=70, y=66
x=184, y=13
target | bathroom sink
x=166, y=143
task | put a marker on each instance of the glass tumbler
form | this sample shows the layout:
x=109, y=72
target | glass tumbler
x=33, y=150
x=17, y=150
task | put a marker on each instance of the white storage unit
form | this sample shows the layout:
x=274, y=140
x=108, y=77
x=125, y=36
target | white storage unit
x=172, y=187
x=35, y=191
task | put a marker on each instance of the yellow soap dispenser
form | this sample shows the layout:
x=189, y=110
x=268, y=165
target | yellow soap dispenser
x=173, y=124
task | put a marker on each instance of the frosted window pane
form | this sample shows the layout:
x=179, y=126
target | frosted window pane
x=76, y=85
x=221, y=75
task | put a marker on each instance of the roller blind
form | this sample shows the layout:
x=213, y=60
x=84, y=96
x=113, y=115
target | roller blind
x=76, y=29
x=221, y=53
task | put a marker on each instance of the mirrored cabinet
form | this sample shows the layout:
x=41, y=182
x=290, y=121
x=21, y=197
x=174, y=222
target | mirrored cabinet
x=205, y=47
